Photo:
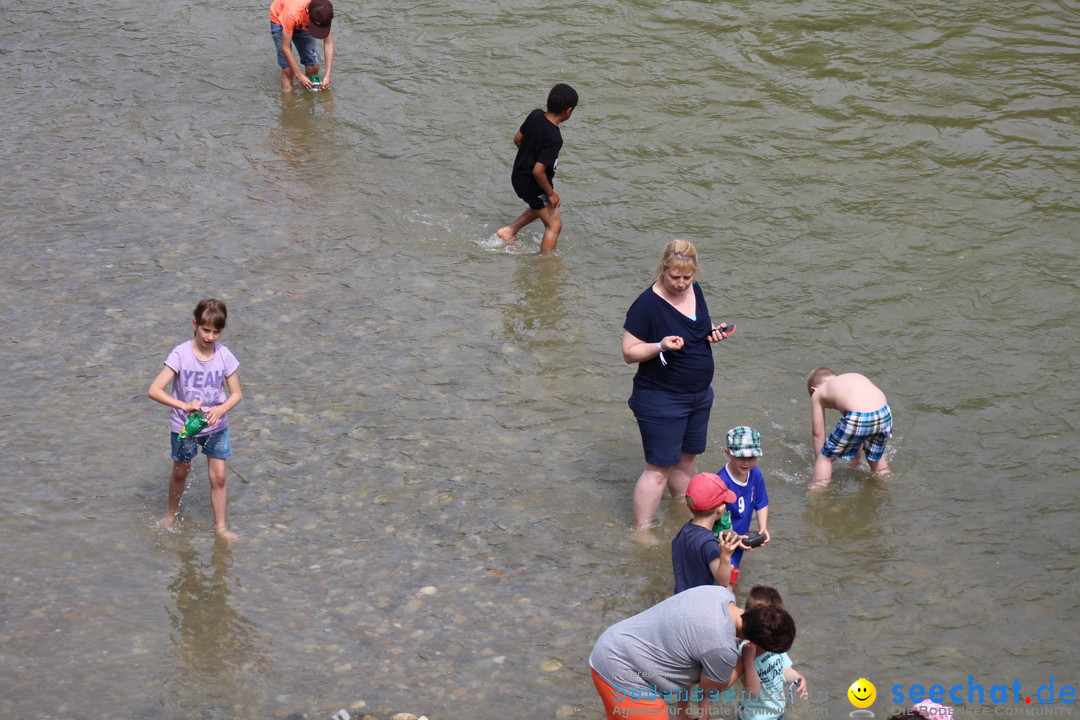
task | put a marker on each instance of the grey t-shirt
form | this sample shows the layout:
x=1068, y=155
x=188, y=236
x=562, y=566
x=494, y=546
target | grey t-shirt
x=669, y=645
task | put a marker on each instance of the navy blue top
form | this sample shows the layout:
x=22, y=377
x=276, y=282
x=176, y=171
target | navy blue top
x=690, y=370
x=691, y=552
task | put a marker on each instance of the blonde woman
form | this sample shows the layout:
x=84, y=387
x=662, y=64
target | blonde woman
x=669, y=334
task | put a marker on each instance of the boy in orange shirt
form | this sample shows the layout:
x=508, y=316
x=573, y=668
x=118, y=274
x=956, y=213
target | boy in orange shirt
x=301, y=23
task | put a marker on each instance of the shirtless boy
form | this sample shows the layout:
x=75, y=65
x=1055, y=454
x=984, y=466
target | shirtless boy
x=865, y=423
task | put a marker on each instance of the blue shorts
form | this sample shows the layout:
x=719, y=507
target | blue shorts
x=867, y=430
x=306, y=46
x=213, y=446
x=671, y=423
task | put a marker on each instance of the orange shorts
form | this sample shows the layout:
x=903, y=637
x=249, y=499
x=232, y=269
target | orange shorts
x=620, y=705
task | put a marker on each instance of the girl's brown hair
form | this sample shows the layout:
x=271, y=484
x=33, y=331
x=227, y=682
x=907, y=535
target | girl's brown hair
x=211, y=312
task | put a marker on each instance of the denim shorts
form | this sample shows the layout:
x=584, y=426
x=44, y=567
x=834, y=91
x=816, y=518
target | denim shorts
x=672, y=423
x=306, y=46
x=213, y=446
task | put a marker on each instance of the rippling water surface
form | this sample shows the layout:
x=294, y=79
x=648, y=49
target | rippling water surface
x=434, y=458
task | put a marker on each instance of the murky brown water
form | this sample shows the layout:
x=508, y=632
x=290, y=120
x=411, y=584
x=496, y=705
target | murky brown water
x=434, y=457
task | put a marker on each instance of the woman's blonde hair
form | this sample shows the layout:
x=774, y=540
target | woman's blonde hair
x=679, y=254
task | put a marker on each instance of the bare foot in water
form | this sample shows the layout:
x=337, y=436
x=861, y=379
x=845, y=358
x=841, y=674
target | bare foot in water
x=506, y=234
x=645, y=536
x=168, y=522
x=226, y=534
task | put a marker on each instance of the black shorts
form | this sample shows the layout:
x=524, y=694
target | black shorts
x=527, y=189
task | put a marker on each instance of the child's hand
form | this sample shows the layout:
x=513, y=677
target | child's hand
x=800, y=688
x=729, y=542
x=193, y=406
x=768, y=537
x=746, y=542
x=213, y=415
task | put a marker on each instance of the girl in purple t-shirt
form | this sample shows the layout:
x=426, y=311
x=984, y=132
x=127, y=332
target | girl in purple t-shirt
x=199, y=370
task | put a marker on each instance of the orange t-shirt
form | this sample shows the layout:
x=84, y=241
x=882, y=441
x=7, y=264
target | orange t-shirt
x=291, y=15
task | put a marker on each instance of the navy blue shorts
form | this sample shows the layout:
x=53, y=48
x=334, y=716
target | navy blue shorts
x=671, y=423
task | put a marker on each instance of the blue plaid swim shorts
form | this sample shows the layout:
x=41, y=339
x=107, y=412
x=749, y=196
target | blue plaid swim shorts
x=868, y=430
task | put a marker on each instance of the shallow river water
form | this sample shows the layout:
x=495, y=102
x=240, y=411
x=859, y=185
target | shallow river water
x=434, y=457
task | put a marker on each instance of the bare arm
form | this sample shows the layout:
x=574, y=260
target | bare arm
x=518, y=137
x=328, y=49
x=286, y=50
x=721, y=566
x=540, y=175
x=822, y=464
x=750, y=680
x=763, y=522
x=159, y=391
x=214, y=414
x=817, y=422
x=791, y=675
x=635, y=350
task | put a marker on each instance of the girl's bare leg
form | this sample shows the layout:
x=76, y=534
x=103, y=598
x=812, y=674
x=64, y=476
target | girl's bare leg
x=177, y=483
x=218, y=497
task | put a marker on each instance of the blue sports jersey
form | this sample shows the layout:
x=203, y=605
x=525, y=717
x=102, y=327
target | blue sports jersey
x=751, y=496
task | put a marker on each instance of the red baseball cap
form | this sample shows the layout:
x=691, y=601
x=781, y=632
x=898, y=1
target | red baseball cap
x=707, y=491
x=320, y=14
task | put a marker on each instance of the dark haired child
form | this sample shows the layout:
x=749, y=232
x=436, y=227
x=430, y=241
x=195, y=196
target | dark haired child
x=199, y=370
x=539, y=141
x=765, y=674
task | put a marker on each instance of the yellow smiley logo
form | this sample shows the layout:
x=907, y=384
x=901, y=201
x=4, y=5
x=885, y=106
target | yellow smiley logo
x=862, y=693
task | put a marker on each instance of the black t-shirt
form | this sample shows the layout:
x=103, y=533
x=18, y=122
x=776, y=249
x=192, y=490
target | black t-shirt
x=541, y=142
x=651, y=319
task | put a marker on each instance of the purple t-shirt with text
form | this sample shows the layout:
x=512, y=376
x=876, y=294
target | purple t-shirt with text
x=202, y=380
